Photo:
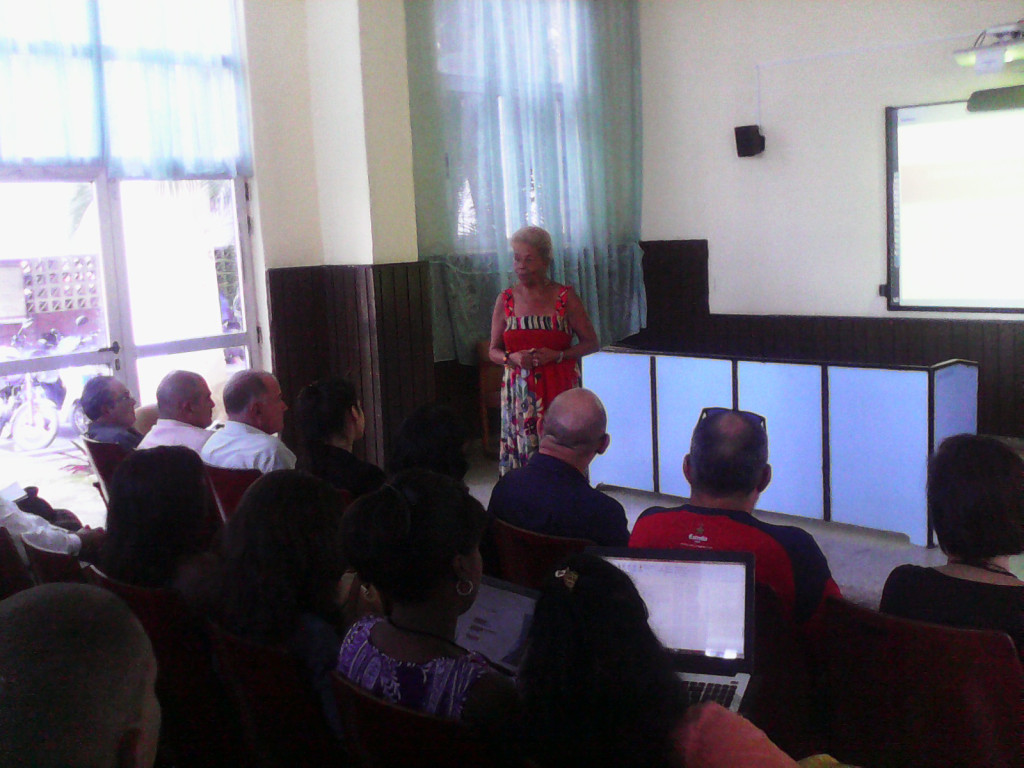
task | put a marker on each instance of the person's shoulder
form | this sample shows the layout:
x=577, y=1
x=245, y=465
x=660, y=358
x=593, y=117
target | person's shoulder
x=909, y=571
x=658, y=513
x=904, y=585
x=791, y=537
x=507, y=485
x=604, y=501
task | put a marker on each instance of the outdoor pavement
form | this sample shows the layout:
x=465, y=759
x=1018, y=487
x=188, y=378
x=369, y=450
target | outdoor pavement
x=61, y=472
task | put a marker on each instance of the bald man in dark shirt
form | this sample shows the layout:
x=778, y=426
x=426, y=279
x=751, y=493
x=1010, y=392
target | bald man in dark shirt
x=551, y=494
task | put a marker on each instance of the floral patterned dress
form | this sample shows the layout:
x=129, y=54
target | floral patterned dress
x=525, y=393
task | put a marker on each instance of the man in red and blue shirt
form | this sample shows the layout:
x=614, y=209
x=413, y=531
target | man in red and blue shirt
x=728, y=469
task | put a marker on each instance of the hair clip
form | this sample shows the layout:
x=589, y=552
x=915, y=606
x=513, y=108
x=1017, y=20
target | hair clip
x=569, y=577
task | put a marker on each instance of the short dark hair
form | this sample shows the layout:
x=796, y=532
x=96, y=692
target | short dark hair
x=281, y=556
x=975, y=487
x=161, y=513
x=723, y=464
x=324, y=408
x=402, y=537
x=432, y=437
x=598, y=687
x=242, y=388
x=95, y=395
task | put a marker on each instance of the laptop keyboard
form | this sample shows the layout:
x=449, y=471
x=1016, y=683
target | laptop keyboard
x=699, y=690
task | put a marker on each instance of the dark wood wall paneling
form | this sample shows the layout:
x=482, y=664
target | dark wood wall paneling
x=678, y=320
x=370, y=324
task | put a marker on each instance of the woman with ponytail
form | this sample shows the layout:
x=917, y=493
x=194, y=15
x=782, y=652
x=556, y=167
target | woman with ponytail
x=331, y=420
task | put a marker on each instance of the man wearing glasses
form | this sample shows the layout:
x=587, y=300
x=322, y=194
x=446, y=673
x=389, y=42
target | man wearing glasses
x=111, y=411
x=727, y=468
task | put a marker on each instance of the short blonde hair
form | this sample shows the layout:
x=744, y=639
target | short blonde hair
x=535, y=237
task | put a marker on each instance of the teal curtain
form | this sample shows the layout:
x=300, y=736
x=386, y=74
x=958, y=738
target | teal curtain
x=146, y=89
x=526, y=112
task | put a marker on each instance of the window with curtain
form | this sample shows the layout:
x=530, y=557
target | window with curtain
x=526, y=112
x=142, y=89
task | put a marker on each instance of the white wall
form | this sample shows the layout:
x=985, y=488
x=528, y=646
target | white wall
x=388, y=130
x=800, y=229
x=331, y=132
x=336, y=85
x=288, y=223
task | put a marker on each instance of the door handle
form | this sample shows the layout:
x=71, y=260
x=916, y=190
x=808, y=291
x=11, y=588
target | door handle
x=114, y=347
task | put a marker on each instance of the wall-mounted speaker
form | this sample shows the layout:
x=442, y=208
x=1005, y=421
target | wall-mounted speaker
x=749, y=140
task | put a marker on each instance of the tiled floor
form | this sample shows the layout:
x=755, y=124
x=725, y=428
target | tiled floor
x=860, y=558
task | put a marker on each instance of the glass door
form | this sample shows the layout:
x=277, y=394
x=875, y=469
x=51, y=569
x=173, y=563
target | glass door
x=131, y=279
x=58, y=304
x=188, y=286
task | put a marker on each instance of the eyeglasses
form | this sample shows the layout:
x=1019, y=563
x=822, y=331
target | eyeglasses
x=755, y=419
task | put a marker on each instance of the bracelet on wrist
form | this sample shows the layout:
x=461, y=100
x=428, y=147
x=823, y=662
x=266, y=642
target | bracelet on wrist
x=561, y=356
x=504, y=360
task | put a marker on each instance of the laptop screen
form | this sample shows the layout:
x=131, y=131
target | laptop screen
x=497, y=623
x=699, y=602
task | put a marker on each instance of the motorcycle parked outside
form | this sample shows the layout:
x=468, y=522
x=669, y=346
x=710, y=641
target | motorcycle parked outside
x=34, y=405
x=27, y=415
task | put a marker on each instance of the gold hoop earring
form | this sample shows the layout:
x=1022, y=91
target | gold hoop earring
x=464, y=588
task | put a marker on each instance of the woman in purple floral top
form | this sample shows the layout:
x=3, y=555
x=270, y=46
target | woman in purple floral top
x=417, y=541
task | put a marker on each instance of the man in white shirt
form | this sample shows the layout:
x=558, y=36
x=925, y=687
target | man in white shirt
x=85, y=542
x=185, y=407
x=255, y=413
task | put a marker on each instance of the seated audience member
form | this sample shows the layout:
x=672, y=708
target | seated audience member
x=331, y=420
x=727, y=469
x=281, y=579
x=160, y=517
x=255, y=410
x=76, y=681
x=85, y=542
x=599, y=689
x=111, y=411
x=185, y=409
x=417, y=540
x=551, y=494
x=976, y=503
x=432, y=437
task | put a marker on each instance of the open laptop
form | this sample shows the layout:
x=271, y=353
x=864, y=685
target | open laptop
x=701, y=607
x=498, y=622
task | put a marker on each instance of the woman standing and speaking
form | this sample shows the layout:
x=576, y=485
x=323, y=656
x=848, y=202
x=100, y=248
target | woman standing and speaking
x=532, y=330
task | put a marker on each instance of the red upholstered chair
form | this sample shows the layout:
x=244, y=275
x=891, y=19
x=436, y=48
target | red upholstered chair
x=229, y=485
x=51, y=566
x=898, y=692
x=104, y=458
x=527, y=558
x=14, y=574
x=283, y=723
x=199, y=726
x=385, y=735
x=780, y=699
